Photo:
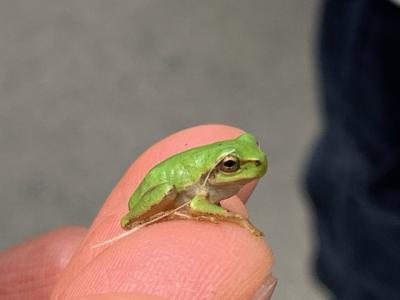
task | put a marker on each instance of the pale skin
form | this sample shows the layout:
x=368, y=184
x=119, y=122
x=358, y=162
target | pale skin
x=37, y=268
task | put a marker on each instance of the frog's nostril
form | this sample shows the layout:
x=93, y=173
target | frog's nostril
x=257, y=163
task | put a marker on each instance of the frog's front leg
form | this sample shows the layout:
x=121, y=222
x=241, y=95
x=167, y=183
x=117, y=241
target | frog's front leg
x=202, y=209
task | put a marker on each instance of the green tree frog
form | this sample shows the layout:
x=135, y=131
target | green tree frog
x=190, y=184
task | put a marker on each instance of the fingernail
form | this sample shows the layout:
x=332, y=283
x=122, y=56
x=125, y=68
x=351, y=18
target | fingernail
x=267, y=289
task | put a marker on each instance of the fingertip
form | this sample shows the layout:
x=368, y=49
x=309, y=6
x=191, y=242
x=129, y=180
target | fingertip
x=107, y=225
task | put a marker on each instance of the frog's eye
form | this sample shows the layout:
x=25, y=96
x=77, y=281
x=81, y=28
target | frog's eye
x=230, y=164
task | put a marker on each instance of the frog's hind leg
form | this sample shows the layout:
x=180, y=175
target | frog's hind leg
x=152, y=205
x=133, y=226
x=161, y=216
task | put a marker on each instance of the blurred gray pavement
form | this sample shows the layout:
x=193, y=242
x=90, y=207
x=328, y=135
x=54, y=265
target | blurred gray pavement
x=86, y=86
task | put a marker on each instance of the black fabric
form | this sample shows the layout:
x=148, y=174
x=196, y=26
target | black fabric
x=353, y=176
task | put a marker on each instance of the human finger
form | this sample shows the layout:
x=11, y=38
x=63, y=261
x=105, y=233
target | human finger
x=222, y=256
x=31, y=269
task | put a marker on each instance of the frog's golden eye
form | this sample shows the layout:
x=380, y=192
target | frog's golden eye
x=230, y=164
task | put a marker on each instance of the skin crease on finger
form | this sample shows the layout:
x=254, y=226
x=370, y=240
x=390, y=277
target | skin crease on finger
x=174, y=259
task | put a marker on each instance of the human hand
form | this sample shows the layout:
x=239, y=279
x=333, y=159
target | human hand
x=174, y=259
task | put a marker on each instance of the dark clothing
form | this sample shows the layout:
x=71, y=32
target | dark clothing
x=353, y=177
